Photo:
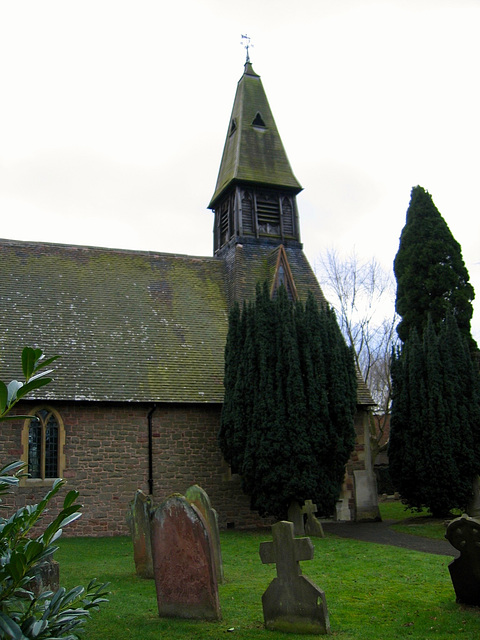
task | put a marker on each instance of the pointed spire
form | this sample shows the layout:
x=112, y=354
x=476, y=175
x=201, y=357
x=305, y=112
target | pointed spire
x=253, y=151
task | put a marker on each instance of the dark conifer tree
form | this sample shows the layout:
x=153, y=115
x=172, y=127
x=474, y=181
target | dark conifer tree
x=292, y=391
x=431, y=275
x=435, y=425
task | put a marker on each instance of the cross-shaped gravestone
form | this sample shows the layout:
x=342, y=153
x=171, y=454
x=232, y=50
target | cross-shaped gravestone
x=292, y=602
x=313, y=526
x=286, y=551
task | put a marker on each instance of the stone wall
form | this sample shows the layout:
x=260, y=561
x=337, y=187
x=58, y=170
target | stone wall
x=106, y=460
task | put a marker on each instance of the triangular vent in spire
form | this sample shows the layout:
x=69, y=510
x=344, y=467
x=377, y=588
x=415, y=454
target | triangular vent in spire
x=283, y=276
x=258, y=121
x=233, y=127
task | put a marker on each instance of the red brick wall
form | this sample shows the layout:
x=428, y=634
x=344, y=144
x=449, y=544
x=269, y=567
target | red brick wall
x=106, y=452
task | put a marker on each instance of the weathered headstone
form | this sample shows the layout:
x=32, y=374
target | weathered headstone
x=184, y=568
x=366, y=496
x=199, y=497
x=295, y=515
x=46, y=577
x=139, y=519
x=473, y=508
x=313, y=526
x=464, y=534
x=292, y=603
x=342, y=511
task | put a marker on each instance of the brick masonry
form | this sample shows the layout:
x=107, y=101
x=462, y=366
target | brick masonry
x=106, y=460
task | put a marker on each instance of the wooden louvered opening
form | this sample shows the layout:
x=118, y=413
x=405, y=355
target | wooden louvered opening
x=268, y=214
x=224, y=223
x=287, y=218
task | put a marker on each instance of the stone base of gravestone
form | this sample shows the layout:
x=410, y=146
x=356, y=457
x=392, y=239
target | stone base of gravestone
x=464, y=534
x=47, y=577
x=292, y=603
x=184, y=566
x=366, y=497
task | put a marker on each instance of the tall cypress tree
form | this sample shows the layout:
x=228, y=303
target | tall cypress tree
x=431, y=275
x=434, y=449
x=290, y=397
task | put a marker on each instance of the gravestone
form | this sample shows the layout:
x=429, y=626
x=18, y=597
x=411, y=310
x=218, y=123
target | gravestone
x=197, y=496
x=139, y=519
x=292, y=603
x=295, y=515
x=464, y=534
x=473, y=508
x=313, y=526
x=342, y=511
x=46, y=577
x=183, y=563
x=366, y=496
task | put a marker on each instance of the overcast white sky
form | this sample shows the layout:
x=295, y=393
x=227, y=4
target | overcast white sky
x=113, y=116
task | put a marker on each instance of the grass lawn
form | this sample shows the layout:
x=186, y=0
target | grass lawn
x=373, y=591
x=415, y=523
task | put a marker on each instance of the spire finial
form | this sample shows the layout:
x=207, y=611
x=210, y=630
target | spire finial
x=246, y=43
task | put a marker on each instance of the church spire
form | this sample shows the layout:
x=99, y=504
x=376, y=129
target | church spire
x=255, y=192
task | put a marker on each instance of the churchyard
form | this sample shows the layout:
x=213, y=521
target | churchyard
x=372, y=591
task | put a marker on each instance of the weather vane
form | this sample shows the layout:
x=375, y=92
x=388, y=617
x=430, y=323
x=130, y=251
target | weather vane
x=246, y=43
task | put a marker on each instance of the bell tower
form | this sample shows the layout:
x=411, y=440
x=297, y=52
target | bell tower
x=255, y=195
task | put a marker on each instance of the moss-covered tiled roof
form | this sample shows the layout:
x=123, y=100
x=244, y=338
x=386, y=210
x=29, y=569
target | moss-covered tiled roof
x=253, y=150
x=256, y=262
x=130, y=326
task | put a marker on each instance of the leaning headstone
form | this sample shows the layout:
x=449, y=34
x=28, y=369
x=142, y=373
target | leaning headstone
x=199, y=497
x=292, y=603
x=139, y=518
x=184, y=568
x=464, y=534
x=313, y=526
x=295, y=515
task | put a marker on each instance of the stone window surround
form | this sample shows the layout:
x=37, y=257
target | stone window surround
x=43, y=482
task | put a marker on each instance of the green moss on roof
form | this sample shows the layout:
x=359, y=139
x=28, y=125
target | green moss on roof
x=253, y=154
x=129, y=325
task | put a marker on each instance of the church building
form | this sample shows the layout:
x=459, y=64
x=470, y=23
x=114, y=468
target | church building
x=136, y=397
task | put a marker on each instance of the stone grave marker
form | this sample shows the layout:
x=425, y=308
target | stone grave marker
x=139, y=520
x=313, y=526
x=295, y=515
x=464, y=534
x=292, y=603
x=473, y=508
x=184, y=567
x=46, y=577
x=199, y=497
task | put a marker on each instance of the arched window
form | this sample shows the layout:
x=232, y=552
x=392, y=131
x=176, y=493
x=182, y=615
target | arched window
x=43, y=440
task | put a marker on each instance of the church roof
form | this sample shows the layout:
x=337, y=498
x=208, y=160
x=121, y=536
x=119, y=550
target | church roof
x=129, y=325
x=253, y=150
